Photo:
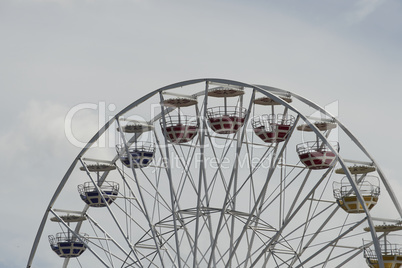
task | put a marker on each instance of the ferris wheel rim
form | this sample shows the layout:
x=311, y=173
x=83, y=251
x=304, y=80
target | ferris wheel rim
x=259, y=88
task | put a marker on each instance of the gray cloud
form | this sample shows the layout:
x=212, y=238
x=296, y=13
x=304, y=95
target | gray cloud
x=59, y=54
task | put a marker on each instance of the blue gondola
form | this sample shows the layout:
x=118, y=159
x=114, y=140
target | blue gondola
x=141, y=153
x=67, y=245
x=90, y=195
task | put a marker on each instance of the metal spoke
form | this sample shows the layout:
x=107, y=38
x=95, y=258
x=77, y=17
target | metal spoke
x=221, y=186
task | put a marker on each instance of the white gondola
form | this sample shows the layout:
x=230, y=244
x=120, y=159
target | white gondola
x=90, y=195
x=67, y=245
x=108, y=189
x=141, y=153
x=179, y=128
x=368, y=187
x=392, y=257
x=316, y=154
x=391, y=253
x=226, y=119
x=272, y=128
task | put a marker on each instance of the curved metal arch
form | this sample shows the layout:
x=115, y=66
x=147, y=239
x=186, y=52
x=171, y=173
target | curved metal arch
x=340, y=160
x=342, y=163
x=351, y=136
x=89, y=145
x=262, y=89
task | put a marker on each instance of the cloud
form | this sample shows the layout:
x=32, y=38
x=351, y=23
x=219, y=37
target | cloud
x=363, y=9
x=38, y=122
x=39, y=131
x=37, y=155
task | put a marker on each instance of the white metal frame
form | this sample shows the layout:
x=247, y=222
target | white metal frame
x=180, y=245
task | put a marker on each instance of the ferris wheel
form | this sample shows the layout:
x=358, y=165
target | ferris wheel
x=220, y=173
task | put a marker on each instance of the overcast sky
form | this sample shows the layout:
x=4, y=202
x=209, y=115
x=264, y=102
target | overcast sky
x=57, y=54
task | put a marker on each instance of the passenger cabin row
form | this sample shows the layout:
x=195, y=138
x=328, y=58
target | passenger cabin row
x=270, y=128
